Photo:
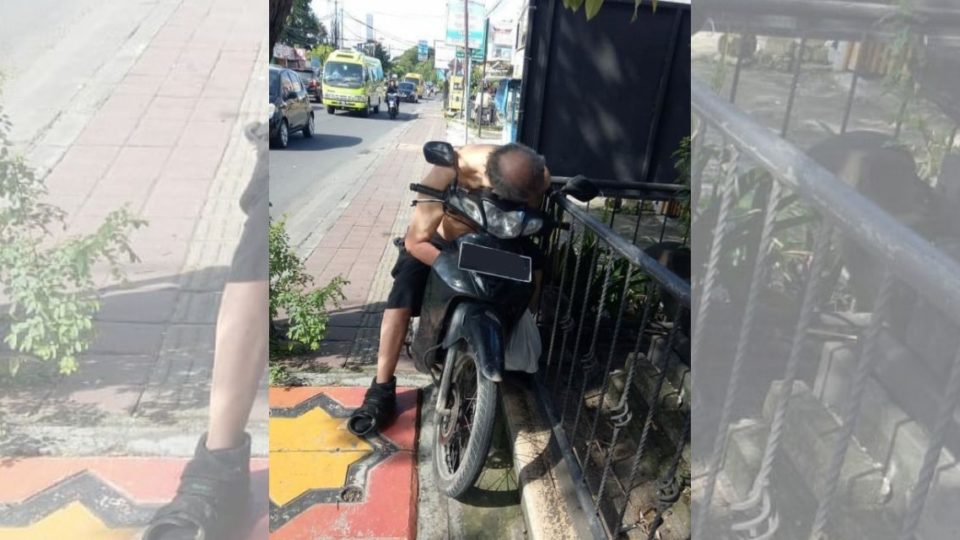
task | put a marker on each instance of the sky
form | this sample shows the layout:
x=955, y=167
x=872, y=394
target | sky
x=399, y=25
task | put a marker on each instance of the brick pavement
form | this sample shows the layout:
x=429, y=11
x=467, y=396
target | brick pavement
x=359, y=246
x=160, y=127
x=168, y=141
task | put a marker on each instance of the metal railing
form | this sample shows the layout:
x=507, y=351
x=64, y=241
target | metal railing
x=615, y=326
x=911, y=271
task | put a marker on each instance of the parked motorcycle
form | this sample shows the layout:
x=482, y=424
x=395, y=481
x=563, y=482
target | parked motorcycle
x=393, y=104
x=476, y=292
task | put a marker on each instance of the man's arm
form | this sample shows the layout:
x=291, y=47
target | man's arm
x=426, y=217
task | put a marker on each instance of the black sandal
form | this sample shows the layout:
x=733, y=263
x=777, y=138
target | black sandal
x=211, y=499
x=379, y=406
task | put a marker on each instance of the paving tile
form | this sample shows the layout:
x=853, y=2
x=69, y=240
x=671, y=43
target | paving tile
x=171, y=108
x=139, y=83
x=107, y=130
x=102, y=497
x=134, y=164
x=153, y=131
x=314, y=459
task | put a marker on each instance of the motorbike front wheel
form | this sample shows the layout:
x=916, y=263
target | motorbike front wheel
x=462, y=438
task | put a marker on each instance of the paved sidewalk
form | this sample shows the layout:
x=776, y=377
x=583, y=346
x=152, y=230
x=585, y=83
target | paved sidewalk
x=168, y=141
x=160, y=125
x=359, y=246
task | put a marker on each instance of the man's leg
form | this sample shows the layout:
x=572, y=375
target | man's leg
x=379, y=403
x=239, y=361
x=215, y=485
x=393, y=330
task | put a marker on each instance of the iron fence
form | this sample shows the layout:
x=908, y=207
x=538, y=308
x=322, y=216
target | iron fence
x=803, y=441
x=615, y=371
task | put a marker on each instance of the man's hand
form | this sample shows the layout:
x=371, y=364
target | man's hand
x=427, y=217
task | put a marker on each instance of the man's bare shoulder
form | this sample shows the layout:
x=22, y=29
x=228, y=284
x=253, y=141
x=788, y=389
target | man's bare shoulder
x=476, y=149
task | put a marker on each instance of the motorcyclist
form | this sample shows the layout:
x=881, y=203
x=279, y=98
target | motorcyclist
x=393, y=88
x=514, y=172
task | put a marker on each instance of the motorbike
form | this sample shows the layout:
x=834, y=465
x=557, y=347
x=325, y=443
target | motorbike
x=393, y=104
x=477, y=290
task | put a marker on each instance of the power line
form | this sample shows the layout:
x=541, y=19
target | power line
x=381, y=32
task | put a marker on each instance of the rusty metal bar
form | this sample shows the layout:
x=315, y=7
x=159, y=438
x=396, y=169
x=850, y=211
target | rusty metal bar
x=931, y=272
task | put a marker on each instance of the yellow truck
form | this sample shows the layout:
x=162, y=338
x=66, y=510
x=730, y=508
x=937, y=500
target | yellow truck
x=352, y=81
x=417, y=81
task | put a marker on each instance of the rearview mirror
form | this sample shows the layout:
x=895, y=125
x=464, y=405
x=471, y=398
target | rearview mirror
x=440, y=153
x=581, y=189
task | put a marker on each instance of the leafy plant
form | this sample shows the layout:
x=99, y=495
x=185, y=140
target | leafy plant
x=280, y=376
x=593, y=7
x=290, y=292
x=48, y=281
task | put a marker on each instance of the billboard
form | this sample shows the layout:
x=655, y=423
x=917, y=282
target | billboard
x=423, y=50
x=442, y=54
x=478, y=14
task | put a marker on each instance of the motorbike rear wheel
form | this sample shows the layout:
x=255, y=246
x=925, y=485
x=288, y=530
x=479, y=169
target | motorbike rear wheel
x=462, y=439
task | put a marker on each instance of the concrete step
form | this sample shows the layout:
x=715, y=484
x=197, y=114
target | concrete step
x=898, y=402
x=798, y=476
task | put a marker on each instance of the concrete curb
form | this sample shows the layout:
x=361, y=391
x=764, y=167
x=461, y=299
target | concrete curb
x=547, y=492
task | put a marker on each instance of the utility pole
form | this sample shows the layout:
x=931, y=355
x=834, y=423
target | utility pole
x=336, y=24
x=466, y=63
x=486, y=47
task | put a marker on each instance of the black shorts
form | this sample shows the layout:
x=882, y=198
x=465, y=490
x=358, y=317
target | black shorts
x=410, y=279
x=250, y=256
x=410, y=276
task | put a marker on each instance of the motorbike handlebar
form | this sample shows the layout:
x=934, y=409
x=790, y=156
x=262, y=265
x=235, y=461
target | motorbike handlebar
x=420, y=188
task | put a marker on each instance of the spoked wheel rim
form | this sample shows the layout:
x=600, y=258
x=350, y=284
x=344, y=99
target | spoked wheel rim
x=284, y=134
x=454, y=431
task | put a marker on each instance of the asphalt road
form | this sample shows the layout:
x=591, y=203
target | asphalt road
x=27, y=29
x=306, y=172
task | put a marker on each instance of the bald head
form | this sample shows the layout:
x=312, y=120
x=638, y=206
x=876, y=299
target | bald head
x=516, y=172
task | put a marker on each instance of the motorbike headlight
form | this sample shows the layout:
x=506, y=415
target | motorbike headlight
x=533, y=226
x=469, y=208
x=503, y=224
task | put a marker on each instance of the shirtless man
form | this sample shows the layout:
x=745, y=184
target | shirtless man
x=514, y=172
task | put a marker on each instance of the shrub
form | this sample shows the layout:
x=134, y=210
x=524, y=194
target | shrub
x=49, y=282
x=306, y=309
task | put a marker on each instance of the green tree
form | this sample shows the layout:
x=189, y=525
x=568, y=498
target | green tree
x=407, y=63
x=279, y=10
x=377, y=50
x=321, y=51
x=302, y=28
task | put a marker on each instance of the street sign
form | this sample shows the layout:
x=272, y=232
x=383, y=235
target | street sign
x=478, y=14
x=475, y=54
x=423, y=50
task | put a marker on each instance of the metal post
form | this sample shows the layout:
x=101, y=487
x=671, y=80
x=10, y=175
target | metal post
x=737, y=68
x=900, y=115
x=853, y=87
x=466, y=63
x=797, y=62
x=486, y=32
